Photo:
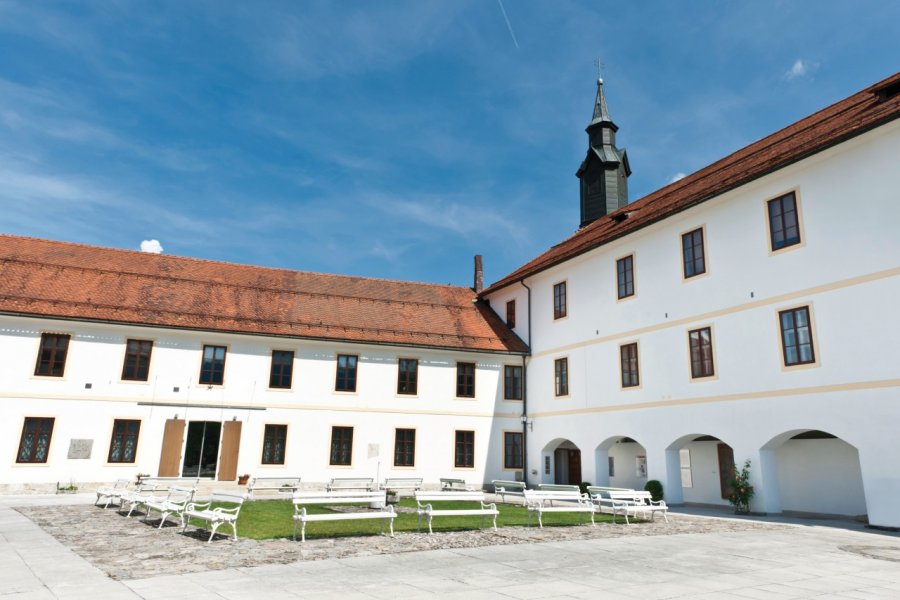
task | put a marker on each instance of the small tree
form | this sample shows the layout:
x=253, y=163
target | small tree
x=655, y=488
x=741, y=490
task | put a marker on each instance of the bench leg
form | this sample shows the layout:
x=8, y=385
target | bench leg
x=234, y=529
x=495, y=522
x=540, y=519
x=592, y=518
x=391, y=526
x=419, y=524
x=212, y=533
x=429, y=524
x=303, y=532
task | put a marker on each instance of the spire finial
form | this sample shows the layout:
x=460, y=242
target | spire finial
x=599, y=64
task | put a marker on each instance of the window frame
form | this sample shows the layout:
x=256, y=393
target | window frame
x=560, y=300
x=695, y=375
x=407, y=452
x=126, y=376
x=810, y=318
x=414, y=380
x=53, y=360
x=520, y=463
x=212, y=371
x=346, y=377
x=619, y=275
x=561, y=377
x=342, y=440
x=693, y=247
x=112, y=438
x=283, y=427
x=31, y=454
x=461, y=381
x=518, y=387
x=801, y=234
x=280, y=375
x=637, y=366
x=456, y=448
x=511, y=313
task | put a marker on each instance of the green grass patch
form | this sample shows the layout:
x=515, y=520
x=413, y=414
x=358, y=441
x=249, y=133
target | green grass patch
x=273, y=519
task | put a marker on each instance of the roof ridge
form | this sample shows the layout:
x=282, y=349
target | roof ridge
x=179, y=257
x=230, y=284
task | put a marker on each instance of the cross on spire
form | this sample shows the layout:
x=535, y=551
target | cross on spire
x=599, y=64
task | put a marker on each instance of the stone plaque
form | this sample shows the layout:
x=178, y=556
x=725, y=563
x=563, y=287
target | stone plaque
x=374, y=450
x=80, y=448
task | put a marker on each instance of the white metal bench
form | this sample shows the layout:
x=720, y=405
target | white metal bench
x=216, y=516
x=302, y=517
x=455, y=485
x=172, y=503
x=505, y=488
x=428, y=511
x=398, y=484
x=135, y=497
x=114, y=493
x=630, y=503
x=281, y=485
x=364, y=484
x=539, y=502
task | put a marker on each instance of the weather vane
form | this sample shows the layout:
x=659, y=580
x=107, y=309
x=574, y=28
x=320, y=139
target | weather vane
x=599, y=64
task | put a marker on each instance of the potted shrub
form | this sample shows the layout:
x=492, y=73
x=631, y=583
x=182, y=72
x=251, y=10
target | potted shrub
x=741, y=490
x=393, y=497
x=243, y=479
x=66, y=489
x=655, y=488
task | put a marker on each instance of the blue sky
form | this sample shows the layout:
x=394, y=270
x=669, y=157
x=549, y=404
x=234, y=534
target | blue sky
x=391, y=139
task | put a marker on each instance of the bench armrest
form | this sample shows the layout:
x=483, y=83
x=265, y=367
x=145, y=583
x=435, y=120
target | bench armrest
x=489, y=505
x=195, y=505
x=227, y=511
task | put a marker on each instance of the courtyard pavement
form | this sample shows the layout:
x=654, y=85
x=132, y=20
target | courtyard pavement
x=824, y=560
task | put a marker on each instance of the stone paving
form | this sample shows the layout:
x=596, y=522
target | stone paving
x=129, y=548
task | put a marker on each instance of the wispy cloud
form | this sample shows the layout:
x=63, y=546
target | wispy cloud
x=677, y=176
x=151, y=246
x=800, y=69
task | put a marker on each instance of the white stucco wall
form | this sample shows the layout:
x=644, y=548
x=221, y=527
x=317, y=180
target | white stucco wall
x=820, y=476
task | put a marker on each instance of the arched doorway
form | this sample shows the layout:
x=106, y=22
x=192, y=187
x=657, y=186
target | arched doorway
x=561, y=462
x=813, y=472
x=699, y=468
x=621, y=462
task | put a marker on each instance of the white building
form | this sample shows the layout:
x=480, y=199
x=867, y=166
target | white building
x=746, y=311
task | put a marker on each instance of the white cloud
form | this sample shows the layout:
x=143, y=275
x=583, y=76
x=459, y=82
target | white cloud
x=677, y=176
x=151, y=246
x=800, y=68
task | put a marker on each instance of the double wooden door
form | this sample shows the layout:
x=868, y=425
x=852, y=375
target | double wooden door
x=212, y=449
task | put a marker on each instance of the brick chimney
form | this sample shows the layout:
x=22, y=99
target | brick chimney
x=479, y=274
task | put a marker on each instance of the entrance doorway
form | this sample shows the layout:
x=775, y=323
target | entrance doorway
x=726, y=468
x=202, y=449
x=568, y=466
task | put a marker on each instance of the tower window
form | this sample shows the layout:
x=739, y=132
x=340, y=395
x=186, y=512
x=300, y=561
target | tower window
x=559, y=300
x=625, y=276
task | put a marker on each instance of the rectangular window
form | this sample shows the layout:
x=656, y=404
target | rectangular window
x=274, y=444
x=629, y=356
x=346, y=373
x=561, y=379
x=465, y=380
x=212, y=370
x=281, y=374
x=796, y=336
x=511, y=314
x=341, y=445
x=512, y=450
x=784, y=224
x=701, y=353
x=51, y=360
x=123, y=445
x=559, y=300
x=512, y=382
x=692, y=251
x=405, y=448
x=35, y=443
x=407, y=376
x=625, y=276
x=464, y=455
x=137, y=360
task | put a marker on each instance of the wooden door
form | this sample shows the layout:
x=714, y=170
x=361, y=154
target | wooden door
x=170, y=456
x=726, y=468
x=574, y=467
x=228, y=455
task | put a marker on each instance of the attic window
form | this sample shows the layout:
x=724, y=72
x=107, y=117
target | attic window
x=888, y=91
x=619, y=217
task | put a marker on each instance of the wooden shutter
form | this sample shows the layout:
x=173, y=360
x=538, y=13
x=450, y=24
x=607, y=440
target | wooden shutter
x=170, y=457
x=228, y=455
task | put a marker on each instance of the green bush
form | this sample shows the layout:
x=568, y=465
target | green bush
x=655, y=488
x=741, y=490
x=584, y=485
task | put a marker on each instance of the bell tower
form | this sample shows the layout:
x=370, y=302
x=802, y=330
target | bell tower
x=604, y=172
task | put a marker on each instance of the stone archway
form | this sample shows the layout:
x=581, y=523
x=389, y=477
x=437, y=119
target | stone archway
x=621, y=462
x=561, y=462
x=698, y=468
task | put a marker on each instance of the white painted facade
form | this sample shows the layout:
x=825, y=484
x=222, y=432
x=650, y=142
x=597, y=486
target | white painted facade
x=310, y=409
x=846, y=270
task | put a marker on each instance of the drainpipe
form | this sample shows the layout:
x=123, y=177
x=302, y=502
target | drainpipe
x=525, y=395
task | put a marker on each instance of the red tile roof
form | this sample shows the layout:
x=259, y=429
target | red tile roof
x=861, y=112
x=64, y=280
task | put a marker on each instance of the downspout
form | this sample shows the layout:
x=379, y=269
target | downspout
x=525, y=394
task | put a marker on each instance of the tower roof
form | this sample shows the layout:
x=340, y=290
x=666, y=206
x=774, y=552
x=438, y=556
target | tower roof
x=601, y=111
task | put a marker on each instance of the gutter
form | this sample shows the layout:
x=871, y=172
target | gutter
x=525, y=394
